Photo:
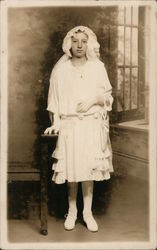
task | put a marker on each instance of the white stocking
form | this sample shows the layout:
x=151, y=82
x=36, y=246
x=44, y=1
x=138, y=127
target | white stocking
x=72, y=195
x=87, y=191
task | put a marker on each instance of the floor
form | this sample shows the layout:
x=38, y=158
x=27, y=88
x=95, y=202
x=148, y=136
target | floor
x=125, y=219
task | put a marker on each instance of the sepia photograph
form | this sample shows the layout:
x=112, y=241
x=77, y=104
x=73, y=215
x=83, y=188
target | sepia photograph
x=78, y=124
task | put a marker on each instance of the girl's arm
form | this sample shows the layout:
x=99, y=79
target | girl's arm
x=102, y=100
x=105, y=100
x=51, y=117
x=55, y=124
x=53, y=104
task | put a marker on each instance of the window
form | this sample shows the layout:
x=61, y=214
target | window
x=129, y=101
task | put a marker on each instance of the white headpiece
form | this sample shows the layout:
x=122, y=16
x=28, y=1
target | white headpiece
x=92, y=43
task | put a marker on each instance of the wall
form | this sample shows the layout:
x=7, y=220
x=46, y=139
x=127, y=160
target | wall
x=130, y=151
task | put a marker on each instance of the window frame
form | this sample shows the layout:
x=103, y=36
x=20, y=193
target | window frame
x=139, y=112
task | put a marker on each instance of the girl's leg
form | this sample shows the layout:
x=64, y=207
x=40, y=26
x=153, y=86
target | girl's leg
x=72, y=212
x=87, y=190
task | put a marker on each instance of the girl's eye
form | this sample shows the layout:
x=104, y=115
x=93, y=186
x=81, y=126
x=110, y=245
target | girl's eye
x=84, y=41
x=74, y=41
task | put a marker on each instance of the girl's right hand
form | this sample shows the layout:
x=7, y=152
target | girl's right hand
x=51, y=130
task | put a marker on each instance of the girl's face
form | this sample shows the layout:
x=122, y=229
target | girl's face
x=79, y=44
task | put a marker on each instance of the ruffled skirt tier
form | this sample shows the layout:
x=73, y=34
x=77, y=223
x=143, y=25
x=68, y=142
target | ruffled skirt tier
x=83, y=151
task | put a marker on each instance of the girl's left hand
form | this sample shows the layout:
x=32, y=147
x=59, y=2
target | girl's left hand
x=83, y=106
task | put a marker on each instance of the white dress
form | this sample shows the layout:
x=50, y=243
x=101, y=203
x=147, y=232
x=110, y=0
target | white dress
x=83, y=151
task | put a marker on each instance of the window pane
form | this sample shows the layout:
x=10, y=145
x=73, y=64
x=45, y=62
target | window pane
x=135, y=15
x=127, y=90
x=127, y=45
x=121, y=45
x=121, y=14
x=120, y=90
x=134, y=46
x=134, y=87
x=128, y=15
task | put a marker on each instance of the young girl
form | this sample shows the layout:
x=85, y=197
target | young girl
x=78, y=102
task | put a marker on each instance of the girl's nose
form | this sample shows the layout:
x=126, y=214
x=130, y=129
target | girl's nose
x=79, y=44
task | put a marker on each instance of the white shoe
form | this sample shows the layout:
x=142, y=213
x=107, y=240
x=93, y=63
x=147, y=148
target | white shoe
x=69, y=223
x=90, y=222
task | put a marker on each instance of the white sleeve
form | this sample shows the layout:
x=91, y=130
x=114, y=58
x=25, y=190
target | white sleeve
x=105, y=80
x=107, y=88
x=52, y=103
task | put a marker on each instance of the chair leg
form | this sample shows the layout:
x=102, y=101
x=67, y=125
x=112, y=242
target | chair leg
x=43, y=230
x=43, y=187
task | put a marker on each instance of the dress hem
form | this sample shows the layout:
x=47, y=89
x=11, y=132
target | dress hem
x=82, y=180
